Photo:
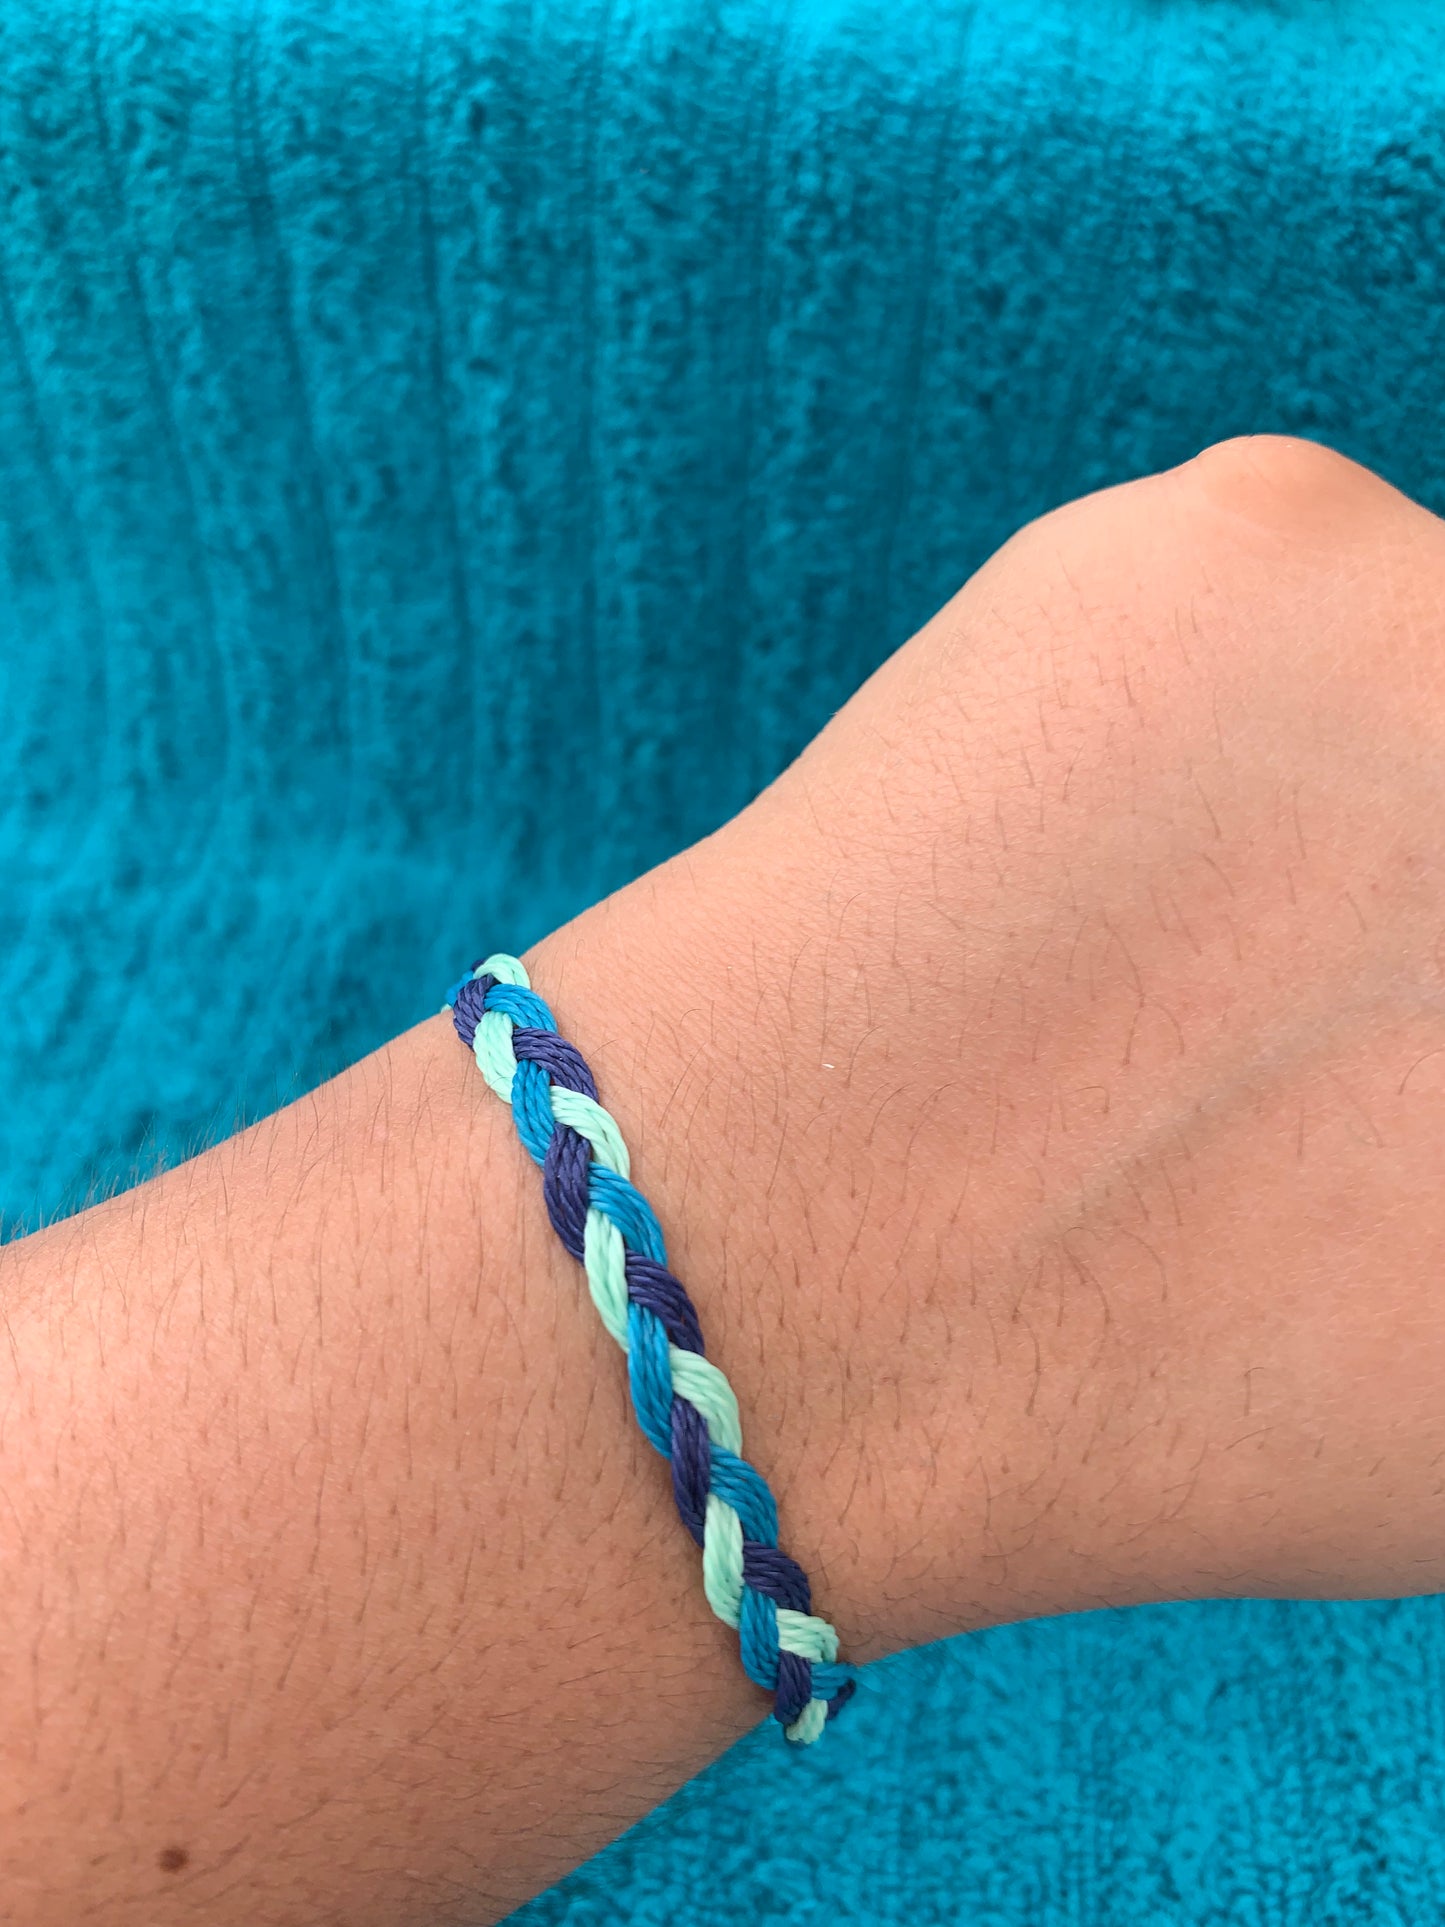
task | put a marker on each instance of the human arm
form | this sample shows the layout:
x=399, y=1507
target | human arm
x=1038, y=1086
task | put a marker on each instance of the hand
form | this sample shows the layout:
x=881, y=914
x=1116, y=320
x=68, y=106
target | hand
x=1044, y=1081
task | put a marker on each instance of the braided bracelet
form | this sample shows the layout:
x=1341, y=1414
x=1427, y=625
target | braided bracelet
x=683, y=1403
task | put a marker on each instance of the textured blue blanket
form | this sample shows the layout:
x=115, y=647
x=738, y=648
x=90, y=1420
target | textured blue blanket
x=452, y=456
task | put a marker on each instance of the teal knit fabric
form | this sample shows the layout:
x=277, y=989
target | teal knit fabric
x=451, y=456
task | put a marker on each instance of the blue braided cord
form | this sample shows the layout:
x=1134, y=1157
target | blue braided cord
x=649, y=1376
x=524, y=1007
x=628, y=1210
x=735, y=1480
x=532, y=1108
x=809, y=1690
x=758, y=1638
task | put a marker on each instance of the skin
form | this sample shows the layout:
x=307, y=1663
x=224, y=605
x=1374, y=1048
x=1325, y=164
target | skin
x=1042, y=1088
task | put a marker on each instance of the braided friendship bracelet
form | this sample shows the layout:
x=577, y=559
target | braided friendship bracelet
x=683, y=1403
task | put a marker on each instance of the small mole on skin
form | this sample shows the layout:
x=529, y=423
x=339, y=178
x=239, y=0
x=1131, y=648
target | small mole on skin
x=172, y=1859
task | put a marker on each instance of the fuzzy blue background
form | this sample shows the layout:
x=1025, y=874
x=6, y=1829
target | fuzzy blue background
x=452, y=456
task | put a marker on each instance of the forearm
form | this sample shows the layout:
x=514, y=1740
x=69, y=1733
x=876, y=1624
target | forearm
x=336, y=1579
x=336, y=1582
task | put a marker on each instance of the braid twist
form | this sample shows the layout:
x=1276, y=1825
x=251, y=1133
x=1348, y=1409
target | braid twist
x=683, y=1403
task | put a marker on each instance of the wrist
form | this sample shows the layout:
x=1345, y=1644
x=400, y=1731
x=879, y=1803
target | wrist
x=680, y=993
x=938, y=1412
